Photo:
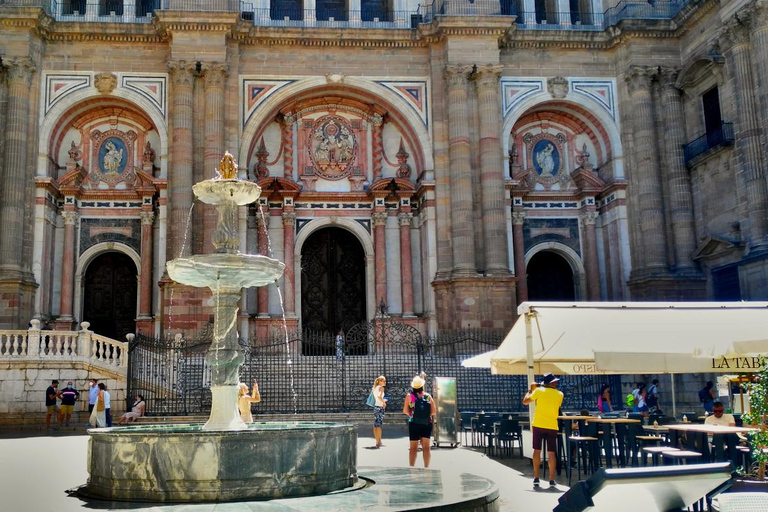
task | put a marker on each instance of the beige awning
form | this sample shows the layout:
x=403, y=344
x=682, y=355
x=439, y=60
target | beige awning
x=635, y=337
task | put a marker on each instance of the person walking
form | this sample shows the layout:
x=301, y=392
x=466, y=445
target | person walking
x=420, y=409
x=107, y=405
x=707, y=396
x=244, y=401
x=652, y=399
x=93, y=392
x=50, y=405
x=548, y=400
x=98, y=414
x=69, y=396
x=604, y=399
x=378, y=409
x=636, y=396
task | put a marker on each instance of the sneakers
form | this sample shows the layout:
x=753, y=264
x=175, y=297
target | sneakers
x=552, y=483
x=535, y=482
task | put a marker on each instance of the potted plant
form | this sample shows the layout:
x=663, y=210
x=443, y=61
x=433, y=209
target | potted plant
x=756, y=417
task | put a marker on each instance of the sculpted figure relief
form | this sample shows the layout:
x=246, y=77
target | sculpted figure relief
x=112, y=159
x=228, y=167
x=546, y=160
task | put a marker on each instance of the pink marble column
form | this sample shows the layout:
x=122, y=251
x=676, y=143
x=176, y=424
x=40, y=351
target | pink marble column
x=289, y=282
x=145, y=302
x=263, y=293
x=287, y=136
x=380, y=254
x=592, y=267
x=406, y=271
x=68, y=265
x=378, y=146
x=518, y=218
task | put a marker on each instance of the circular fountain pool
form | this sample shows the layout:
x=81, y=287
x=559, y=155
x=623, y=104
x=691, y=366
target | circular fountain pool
x=183, y=463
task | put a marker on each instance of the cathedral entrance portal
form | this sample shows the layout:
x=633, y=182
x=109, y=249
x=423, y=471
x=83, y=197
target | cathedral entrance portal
x=332, y=281
x=109, y=295
x=550, y=277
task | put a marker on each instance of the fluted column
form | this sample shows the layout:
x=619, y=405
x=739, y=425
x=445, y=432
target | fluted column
x=68, y=265
x=680, y=195
x=592, y=267
x=145, y=303
x=462, y=218
x=649, y=193
x=252, y=247
x=492, y=170
x=16, y=172
x=518, y=219
x=735, y=40
x=3, y=108
x=287, y=136
x=378, y=145
x=406, y=270
x=180, y=175
x=380, y=254
x=215, y=76
x=263, y=293
x=289, y=234
x=759, y=24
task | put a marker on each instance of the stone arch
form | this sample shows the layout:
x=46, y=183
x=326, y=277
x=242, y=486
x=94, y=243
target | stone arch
x=581, y=107
x=87, y=258
x=86, y=99
x=570, y=256
x=418, y=133
x=362, y=235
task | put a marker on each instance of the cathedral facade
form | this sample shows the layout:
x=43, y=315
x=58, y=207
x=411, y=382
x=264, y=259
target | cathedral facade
x=436, y=164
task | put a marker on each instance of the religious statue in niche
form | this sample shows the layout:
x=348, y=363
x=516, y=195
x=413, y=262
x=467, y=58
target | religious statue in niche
x=113, y=157
x=113, y=152
x=332, y=147
x=546, y=159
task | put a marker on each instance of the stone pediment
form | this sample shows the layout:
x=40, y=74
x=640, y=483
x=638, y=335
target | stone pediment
x=587, y=180
x=713, y=246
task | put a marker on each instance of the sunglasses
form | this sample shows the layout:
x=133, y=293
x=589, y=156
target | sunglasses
x=720, y=411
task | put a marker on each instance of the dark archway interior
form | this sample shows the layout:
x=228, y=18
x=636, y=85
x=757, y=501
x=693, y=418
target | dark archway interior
x=550, y=278
x=109, y=295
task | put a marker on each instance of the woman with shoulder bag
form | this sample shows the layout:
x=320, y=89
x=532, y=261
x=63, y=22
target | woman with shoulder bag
x=378, y=408
x=99, y=413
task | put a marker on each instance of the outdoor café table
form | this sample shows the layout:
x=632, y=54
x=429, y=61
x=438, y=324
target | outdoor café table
x=607, y=441
x=702, y=443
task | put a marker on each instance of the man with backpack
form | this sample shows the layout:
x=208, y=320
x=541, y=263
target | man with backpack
x=652, y=398
x=420, y=409
x=548, y=400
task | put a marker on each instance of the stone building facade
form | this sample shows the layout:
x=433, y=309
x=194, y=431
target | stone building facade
x=442, y=163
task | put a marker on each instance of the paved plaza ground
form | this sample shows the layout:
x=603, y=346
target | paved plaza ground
x=36, y=470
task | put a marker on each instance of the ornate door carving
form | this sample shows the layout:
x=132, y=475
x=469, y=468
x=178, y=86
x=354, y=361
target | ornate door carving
x=109, y=295
x=332, y=281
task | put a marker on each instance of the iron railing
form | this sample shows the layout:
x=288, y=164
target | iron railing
x=106, y=11
x=290, y=16
x=309, y=373
x=572, y=20
x=721, y=137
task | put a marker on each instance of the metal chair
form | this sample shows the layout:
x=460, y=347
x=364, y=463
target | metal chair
x=509, y=432
x=466, y=424
x=587, y=448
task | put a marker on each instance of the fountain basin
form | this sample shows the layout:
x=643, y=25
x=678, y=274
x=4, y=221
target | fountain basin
x=183, y=463
x=219, y=191
x=225, y=270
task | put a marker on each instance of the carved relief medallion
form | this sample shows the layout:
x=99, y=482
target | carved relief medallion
x=332, y=147
x=113, y=156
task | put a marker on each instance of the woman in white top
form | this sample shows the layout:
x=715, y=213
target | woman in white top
x=378, y=410
x=244, y=401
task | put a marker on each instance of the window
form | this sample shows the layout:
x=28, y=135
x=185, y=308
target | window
x=725, y=283
x=712, y=119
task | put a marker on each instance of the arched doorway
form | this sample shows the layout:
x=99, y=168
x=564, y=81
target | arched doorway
x=332, y=281
x=109, y=295
x=550, y=277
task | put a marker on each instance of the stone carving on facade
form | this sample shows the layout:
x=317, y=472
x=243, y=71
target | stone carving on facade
x=182, y=72
x=403, y=168
x=214, y=75
x=289, y=219
x=557, y=87
x=639, y=78
x=105, y=83
x=148, y=158
x=332, y=147
x=545, y=160
x=405, y=218
x=735, y=33
x=379, y=218
x=518, y=218
x=589, y=218
x=75, y=155
x=334, y=78
x=69, y=217
x=488, y=75
x=261, y=170
x=147, y=218
x=19, y=70
x=113, y=157
x=457, y=76
x=582, y=158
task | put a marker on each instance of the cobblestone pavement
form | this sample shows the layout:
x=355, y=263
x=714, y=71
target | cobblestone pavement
x=37, y=468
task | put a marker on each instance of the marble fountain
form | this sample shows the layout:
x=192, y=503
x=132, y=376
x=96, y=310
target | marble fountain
x=226, y=459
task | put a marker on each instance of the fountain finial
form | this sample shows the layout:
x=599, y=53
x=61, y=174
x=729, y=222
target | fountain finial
x=228, y=167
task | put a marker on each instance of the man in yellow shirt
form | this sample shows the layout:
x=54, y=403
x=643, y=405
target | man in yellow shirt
x=548, y=401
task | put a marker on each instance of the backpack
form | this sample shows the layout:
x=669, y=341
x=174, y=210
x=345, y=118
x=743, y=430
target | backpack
x=653, y=399
x=422, y=410
x=704, y=395
x=630, y=400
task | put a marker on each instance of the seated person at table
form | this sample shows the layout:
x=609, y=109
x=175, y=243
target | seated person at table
x=719, y=417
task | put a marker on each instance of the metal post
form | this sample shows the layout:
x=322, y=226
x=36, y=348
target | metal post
x=674, y=398
x=529, y=356
x=383, y=311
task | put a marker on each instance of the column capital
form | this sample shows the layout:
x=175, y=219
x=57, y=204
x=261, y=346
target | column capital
x=405, y=218
x=215, y=74
x=182, y=72
x=19, y=70
x=589, y=218
x=262, y=221
x=377, y=120
x=287, y=120
x=289, y=218
x=639, y=78
x=488, y=75
x=457, y=75
x=70, y=217
x=668, y=77
x=735, y=33
x=759, y=15
x=147, y=218
x=379, y=218
x=518, y=218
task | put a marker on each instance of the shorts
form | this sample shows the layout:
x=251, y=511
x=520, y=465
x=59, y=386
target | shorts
x=642, y=408
x=67, y=409
x=378, y=416
x=51, y=408
x=416, y=432
x=545, y=434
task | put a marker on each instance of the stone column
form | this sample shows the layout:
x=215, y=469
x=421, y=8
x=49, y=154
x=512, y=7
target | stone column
x=287, y=135
x=180, y=174
x=648, y=196
x=13, y=182
x=680, y=195
x=215, y=76
x=147, y=224
x=252, y=247
x=263, y=293
x=378, y=147
x=289, y=282
x=759, y=24
x=406, y=270
x=492, y=170
x=68, y=266
x=518, y=219
x=735, y=40
x=592, y=267
x=462, y=216
x=380, y=254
